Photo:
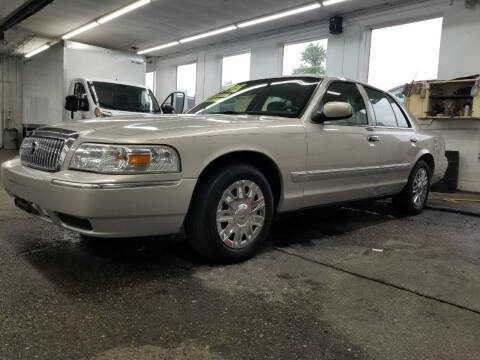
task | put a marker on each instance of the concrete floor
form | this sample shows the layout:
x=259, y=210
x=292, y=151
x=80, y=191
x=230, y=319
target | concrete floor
x=319, y=289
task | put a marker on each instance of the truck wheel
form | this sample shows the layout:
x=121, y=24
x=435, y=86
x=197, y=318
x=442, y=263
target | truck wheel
x=230, y=214
x=414, y=196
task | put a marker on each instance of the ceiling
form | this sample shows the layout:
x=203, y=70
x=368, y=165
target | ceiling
x=159, y=22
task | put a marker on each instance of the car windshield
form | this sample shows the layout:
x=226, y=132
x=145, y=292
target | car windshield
x=285, y=97
x=124, y=97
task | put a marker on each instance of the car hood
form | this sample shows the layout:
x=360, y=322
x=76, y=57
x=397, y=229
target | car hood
x=166, y=126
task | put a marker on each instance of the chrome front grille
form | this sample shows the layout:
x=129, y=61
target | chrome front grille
x=42, y=153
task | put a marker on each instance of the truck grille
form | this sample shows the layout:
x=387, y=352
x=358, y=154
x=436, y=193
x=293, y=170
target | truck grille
x=42, y=153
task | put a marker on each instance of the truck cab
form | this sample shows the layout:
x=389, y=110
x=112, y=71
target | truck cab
x=93, y=98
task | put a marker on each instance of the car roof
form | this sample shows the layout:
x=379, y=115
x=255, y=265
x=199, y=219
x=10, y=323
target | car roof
x=110, y=81
x=322, y=77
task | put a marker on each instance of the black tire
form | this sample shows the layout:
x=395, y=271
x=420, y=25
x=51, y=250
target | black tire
x=201, y=222
x=404, y=202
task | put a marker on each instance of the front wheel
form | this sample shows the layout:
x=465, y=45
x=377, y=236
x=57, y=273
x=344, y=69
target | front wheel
x=413, y=198
x=231, y=213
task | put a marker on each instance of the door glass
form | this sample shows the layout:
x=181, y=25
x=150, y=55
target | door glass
x=381, y=106
x=80, y=93
x=347, y=92
x=401, y=119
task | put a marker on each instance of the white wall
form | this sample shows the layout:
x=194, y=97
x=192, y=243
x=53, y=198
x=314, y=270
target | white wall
x=87, y=61
x=460, y=47
x=43, y=87
x=348, y=53
x=10, y=94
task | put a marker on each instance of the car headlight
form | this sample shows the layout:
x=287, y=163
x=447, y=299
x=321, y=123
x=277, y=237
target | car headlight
x=125, y=159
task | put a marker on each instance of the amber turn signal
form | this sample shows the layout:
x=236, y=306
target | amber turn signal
x=138, y=159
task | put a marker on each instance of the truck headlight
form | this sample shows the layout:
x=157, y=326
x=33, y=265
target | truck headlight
x=125, y=159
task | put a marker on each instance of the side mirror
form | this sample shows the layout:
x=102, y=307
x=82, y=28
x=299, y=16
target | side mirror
x=175, y=100
x=333, y=111
x=72, y=103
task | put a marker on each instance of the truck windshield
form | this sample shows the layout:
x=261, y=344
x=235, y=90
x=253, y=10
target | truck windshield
x=124, y=97
x=284, y=97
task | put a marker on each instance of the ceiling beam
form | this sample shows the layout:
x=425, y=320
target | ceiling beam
x=22, y=13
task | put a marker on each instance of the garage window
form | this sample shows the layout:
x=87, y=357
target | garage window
x=187, y=79
x=235, y=69
x=403, y=53
x=150, y=80
x=305, y=58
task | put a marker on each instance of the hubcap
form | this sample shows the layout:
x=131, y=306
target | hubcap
x=420, y=188
x=240, y=214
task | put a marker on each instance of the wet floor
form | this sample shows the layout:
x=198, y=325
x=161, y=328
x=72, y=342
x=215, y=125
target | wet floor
x=359, y=282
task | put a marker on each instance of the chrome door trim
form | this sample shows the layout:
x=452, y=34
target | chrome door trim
x=312, y=175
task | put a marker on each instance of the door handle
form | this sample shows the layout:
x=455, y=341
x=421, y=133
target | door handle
x=373, y=138
x=414, y=140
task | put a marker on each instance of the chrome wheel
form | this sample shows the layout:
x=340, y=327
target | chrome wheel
x=240, y=214
x=420, y=187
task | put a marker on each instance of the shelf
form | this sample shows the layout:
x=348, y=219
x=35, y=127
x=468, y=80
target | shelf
x=450, y=118
x=443, y=82
x=451, y=97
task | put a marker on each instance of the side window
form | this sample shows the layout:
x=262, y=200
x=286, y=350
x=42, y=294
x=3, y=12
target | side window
x=80, y=93
x=347, y=92
x=383, y=110
x=401, y=119
x=399, y=94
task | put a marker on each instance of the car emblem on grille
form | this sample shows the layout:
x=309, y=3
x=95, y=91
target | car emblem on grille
x=34, y=147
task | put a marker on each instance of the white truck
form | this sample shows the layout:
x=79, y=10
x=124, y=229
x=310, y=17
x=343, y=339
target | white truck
x=73, y=81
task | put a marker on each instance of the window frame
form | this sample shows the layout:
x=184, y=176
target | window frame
x=301, y=41
x=366, y=101
x=222, y=57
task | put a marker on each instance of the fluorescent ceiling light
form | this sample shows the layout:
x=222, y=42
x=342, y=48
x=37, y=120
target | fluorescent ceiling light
x=37, y=51
x=160, y=47
x=80, y=30
x=331, y=2
x=123, y=11
x=280, y=15
x=210, y=33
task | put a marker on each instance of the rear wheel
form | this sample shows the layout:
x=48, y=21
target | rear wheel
x=413, y=198
x=231, y=213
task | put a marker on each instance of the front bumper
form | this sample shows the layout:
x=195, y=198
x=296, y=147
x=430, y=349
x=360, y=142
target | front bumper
x=100, y=205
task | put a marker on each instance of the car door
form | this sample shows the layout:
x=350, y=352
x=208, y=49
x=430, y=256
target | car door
x=342, y=159
x=397, y=142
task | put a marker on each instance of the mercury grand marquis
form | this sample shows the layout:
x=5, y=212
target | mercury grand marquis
x=224, y=169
